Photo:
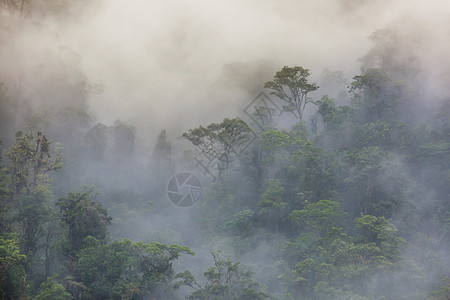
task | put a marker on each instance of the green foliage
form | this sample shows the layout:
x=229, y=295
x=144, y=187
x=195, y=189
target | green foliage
x=272, y=197
x=380, y=231
x=291, y=85
x=84, y=217
x=52, y=291
x=221, y=140
x=242, y=228
x=106, y=270
x=275, y=142
x=315, y=172
x=10, y=258
x=28, y=195
x=378, y=133
x=272, y=207
x=5, y=200
x=155, y=261
x=376, y=95
x=29, y=160
x=369, y=170
x=321, y=216
x=127, y=269
x=225, y=280
x=363, y=195
x=435, y=152
x=442, y=292
x=242, y=223
x=333, y=116
x=26, y=206
x=223, y=200
x=335, y=267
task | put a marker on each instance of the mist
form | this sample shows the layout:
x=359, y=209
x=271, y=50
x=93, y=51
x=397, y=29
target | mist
x=156, y=61
x=114, y=85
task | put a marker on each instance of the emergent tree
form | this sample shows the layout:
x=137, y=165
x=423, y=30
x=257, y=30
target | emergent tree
x=291, y=85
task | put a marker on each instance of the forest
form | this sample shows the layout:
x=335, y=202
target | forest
x=304, y=182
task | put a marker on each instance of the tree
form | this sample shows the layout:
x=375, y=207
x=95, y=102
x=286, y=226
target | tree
x=443, y=290
x=397, y=48
x=50, y=290
x=372, y=180
x=5, y=198
x=321, y=216
x=155, y=264
x=127, y=270
x=272, y=207
x=30, y=161
x=333, y=84
x=163, y=149
x=382, y=232
x=220, y=140
x=274, y=142
x=291, y=85
x=226, y=280
x=376, y=96
x=96, y=142
x=26, y=200
x=161, y=164
x=84, y=217
x=333, y=116
x=123, y=139
x=7, y=113
x=10, y=257
x=315, y=172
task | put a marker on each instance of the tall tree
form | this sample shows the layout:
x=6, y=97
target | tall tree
x=84, y=217
x=272, y=207
x=291, y=85
x=30, y=161
x=220, y=140
x=376, y=96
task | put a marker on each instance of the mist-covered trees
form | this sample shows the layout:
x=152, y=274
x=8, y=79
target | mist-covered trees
x=220, y=140
x=83, y=217
x=332, y=200
x=41, y=236
x=376, y=95
x=11, y=265
x=332, y=209
x=49, y=289
x=330, y=214
x=291, y=85
x=225, y=280
x=27, y=203
x=123, y=269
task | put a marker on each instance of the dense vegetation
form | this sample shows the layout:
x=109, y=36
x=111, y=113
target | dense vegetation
x=352, y=203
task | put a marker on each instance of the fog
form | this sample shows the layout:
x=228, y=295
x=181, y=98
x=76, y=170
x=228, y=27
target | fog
x=175, y=65
x=164, y=61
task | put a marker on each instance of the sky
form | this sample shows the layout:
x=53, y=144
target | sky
x=174, y=64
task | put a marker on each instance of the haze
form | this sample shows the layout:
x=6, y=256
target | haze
x=357, y=187
x=164, y=64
